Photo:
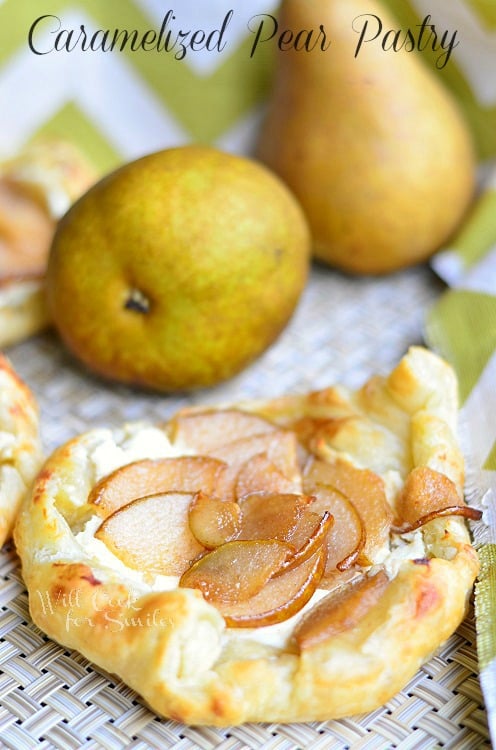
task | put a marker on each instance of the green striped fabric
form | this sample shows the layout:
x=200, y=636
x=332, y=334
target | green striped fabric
x=462, y=327
x=118, y=105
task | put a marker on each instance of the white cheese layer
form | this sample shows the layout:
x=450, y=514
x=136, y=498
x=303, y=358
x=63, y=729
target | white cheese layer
x=136, y=443
x=17, y=293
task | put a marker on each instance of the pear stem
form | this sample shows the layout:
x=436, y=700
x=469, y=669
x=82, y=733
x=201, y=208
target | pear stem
x=137, y=301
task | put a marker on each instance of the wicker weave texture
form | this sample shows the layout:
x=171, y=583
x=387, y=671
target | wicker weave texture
x=50, y=698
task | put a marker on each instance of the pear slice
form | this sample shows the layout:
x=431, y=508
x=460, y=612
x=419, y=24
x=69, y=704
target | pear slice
x=212, y=521
x=465, y=511
x=340, y=611
x=203, y=431
x=260, y=474
x=280, y=446
x=365, y=490
x=155, y=476
x=236, y=571
x=346, y=538
x=270, y=516
x=305, y=527
x=425, y=491
x=338, y=578
x=281, y=597
x=314, y=542
x=152, y=534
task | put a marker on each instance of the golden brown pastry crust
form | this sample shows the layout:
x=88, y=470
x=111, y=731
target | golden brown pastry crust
x=20, y=450
x=171, y=645
x=36, y=188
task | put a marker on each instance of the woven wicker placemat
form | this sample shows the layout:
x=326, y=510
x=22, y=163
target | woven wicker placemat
x=344, y=329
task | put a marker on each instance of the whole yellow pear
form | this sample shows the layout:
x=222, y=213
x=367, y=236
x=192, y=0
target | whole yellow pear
x=371, y=143
x=178, y=269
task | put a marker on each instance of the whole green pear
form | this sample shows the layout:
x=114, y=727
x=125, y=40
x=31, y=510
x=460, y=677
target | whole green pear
x=371, y=143
x=178, y=269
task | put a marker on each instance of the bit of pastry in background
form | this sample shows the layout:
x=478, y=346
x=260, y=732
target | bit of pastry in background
x=36, y=189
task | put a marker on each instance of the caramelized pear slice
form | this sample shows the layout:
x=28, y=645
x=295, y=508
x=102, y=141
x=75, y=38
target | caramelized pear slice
x=366, y=492
x=305, y=527
x=338, y=578
x=425, y=492
x=280, y=446
x=314, y=542
x=152, y=534
x=212, y=521
x=465, y=511
x=236, y=571
x=203, y=431
x=346, y=538
x=340, y=611
x=260, y=474
x=270, y=516
x=280, y=598
x=154, y=476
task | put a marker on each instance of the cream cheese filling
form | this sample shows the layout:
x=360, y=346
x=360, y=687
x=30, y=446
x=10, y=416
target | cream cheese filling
x=18, y=293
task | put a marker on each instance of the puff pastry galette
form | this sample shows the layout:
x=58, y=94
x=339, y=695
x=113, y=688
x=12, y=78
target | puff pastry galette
x=20, y=448
x=287, y=560
x=36, y=188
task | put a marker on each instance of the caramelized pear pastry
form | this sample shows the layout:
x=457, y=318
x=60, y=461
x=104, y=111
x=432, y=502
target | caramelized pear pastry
x=20, y=449
x=286, y=560
x=36, y=188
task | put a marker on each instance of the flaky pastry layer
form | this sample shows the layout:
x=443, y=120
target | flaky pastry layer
x=20, y=449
